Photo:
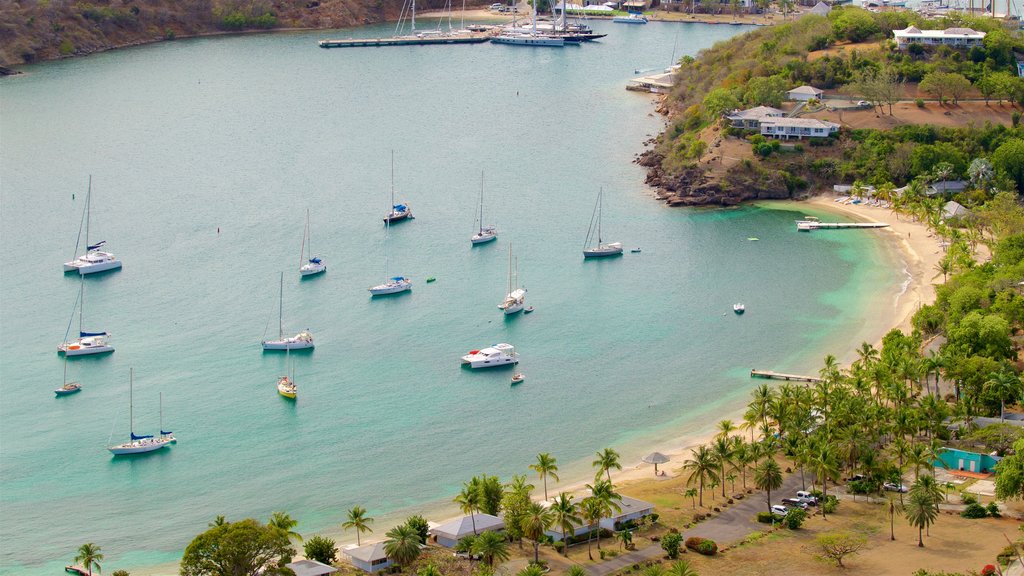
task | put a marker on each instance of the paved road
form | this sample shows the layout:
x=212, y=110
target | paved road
x=727, y=528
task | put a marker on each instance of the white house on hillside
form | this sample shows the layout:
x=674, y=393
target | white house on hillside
x=368, y=557
x=956, y=37
x=449, y=533
x=804, y=93
x=631, y=509
x=786, y=128
x=751, y=118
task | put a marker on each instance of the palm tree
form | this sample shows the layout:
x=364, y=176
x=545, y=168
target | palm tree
x=606, y=460
x=691, y=493
x=895, y=509
x=469, y=501
x=722, y=450
x=768, y=477
x=429, y=570
x=725, y=427
x=921, y=512
x=89, y=556
x=531, y=570
x=743, y=456
x=604, y=492
x=576, y=570
x=402, y=545
x=563, y=515
x=681, y=568
x=703, y=468
x=534, y=524
x=218, y=521
x=358, y=519
x=491, y=546
x=592, y=510
x=282, y=521
x=825, y=465
x=545, y=466
x=918, y=456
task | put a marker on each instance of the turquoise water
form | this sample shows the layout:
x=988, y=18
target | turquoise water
x=205, y=155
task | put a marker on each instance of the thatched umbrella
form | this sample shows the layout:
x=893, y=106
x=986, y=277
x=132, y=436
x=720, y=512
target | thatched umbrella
x=655, y=458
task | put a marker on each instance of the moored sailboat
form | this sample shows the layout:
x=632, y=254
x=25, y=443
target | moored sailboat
x=87, y=342
x=399, y=212
x=137, y=444
x=515, y=298
x=601, y=249
x=315, y=264
x=94, y=260
x=485, y=233
x=68, y=387
x=300, y=341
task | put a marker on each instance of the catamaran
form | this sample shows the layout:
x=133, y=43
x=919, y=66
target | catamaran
x=94, y=260
x=137, y=444
x=398, y=212
x=601, y=249
x=485, y=233
x=515, y=298
x=315, y=265
x=87, y=342
x=498, y=355
x=300, y=341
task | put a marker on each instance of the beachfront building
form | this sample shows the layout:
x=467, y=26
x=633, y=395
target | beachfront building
x=311, y=568
x=804, y=93
x=954, y=37
x=368, y=557
x=954, y=211
x=750, y=119
x=798, y=128
x=631, y=509
x=449, y=533
x=946, y=187
x=964, y=461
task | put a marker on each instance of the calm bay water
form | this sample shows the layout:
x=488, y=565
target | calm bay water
x=244, y=134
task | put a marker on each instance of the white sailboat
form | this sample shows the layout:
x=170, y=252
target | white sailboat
x=94, y=260
x=87, y=342
x=286, y=385
x=300, y=341
x=532, y=38
x=398, y=212
x=392, y=284
x=315, y=264
x=137, y=444
x=485, y=233
x=601, y=249
x=515, y=298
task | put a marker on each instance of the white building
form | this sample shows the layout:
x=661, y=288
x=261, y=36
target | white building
x=368, y=557
x=449, y=533
x=631, y=509
x=786, y=128
x=956, y=37
x=311, y=568
x=804, y=93
x=751, y=118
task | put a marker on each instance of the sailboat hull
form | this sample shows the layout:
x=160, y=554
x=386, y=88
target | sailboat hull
x=286, y=344
x=139, y=446
x=390, y=288
x=312, y=269
x=483, y=238
x=82, y=347
x=603, y=251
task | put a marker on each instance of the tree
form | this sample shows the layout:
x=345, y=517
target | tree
x=420, y=525
x=492, y=547
x=402, y=545
x=719, y=101
x=218, y=521
x=703, y=468
x=515, y=505
x=469, y=501
x=358, y=520
x=723, y=450
x=531, y=570
x=894, y=509
x=879, y=86
x=89, y=557
x=671, y=543
x=120, y=573
x=564, y=516
x=534, y=524
x=938, y=84
x=243, y=547
x=1010, y=474
x=606, y=460
x=768, y=477
x=282, y=521
x=576, y=570
x=1008, y=160
x=592, y=511
x=765, y=91
x=854, y=24
x=921, y=511
x=608, y=500
x=691, y=493
x=545, y=466
x=429, y=570
x=838, y=545
x=681, y=568
x=321, y=549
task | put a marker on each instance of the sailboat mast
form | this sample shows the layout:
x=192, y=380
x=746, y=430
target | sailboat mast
x=280, y=309
x=509, y=268
x=481, y=202
x=81, y=304
x=131, y=403
x=161, y=413
x=305, y=238
x=600, y=208
x=534, y=17
x=413, y=33
x=88, y=213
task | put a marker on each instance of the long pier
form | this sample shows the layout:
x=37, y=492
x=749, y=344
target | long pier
x=782, y=376
x=808, y=225
x=404, y=41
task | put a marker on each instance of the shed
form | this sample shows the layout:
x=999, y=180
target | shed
x=368, y=557
x=954, y=459
x=310, y=568
x=449, y=533
x=804, y=93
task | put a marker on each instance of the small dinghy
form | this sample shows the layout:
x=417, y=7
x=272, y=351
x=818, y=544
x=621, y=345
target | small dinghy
x=528, y=310
x=518, y=378
x=635, y=250
x=431, y=279
x=69, y=388
x=739, y=308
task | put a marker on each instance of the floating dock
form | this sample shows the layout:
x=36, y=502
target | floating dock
x=808, y=225
x=405, y=41
x=781, y=376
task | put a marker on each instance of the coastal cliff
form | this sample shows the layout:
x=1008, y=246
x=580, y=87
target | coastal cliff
x=37, y=30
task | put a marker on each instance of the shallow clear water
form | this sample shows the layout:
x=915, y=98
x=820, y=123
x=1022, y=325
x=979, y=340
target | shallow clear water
x=243, y=134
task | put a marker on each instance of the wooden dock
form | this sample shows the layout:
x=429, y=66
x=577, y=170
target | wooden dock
x=808, y=225
x=405, y=41
x=76, y=569
x=781, y=376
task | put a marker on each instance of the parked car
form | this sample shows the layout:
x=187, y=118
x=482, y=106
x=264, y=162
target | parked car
x=863, y=103
x=794, y=503
x=779, y=509
x=496, y=6
x=894, y=487
x=856, y=477
x=806, y=497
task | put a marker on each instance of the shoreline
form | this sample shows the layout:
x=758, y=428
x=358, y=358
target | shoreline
x=918, y=251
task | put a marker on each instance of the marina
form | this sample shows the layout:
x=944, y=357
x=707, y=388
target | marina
x=422, y=40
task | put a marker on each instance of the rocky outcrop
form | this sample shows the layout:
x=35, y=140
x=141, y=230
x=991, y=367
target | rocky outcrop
x=743, y=182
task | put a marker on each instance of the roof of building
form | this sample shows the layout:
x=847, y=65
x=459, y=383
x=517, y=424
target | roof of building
x=799, y=123
x=631, y=506
x=948, y=32
x=461, y=527
x=944, y=186
x=311, y=568
x=821, y=9
x=367, y=552
x=806, y=90
x=954, y=210
x=755, y=113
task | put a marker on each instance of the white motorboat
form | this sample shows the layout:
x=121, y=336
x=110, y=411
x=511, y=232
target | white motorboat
x=485, y=233
x=315, y=264
x=739, y=308
x=602, y=248
x=137, y=444
x=498, y=355
x=632, y=18
x=515, y=298
x=94, y=260
x=300, y=341
x=87, y=342
x=398, y=212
